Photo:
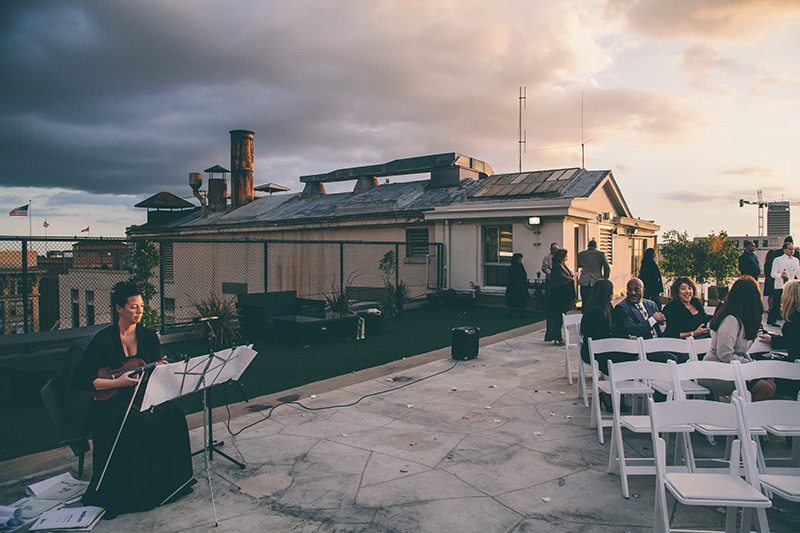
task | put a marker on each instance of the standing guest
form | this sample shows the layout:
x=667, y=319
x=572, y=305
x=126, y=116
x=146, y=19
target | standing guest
x=685, y=314
x=769, y=283
x=594, y=267
x=733, y=329
x=784, y=268
x=636, y=316
x=650, y=275
x=748, y=262
x=152, y=461
x=561, y=296
x=517, y=286
x=596, y=324
x=547, y=262
x=790, y=336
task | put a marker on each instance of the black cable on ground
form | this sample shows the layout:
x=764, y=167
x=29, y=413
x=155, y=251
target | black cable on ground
x=272, y=409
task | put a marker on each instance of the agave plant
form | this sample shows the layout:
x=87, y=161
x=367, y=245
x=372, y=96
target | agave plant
x=224, y=328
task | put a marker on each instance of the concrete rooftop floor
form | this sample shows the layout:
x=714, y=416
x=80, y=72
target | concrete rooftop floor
x=499, y=443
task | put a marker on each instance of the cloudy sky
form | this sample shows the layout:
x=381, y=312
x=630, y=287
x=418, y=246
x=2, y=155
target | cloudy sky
x=692, y=103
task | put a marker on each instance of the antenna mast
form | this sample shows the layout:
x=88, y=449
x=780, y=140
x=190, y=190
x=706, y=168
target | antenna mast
x=523, y=135
x=583, y=152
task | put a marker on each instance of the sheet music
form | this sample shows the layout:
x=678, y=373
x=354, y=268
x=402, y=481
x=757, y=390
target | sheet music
x=174, y=380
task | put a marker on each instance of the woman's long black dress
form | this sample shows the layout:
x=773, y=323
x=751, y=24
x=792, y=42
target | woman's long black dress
x=560, y=299
x=152, y=459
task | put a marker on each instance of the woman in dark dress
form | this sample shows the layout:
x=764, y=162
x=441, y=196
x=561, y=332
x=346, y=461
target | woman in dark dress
x=686, y=316
x=517, y=286
x=561, y=296
x=597, y=324
x=152, y=459
x=650, y=275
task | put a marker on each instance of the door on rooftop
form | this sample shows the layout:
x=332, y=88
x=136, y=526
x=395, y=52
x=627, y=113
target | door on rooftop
x=498, y=247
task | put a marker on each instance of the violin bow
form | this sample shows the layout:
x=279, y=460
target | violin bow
x=116, y=439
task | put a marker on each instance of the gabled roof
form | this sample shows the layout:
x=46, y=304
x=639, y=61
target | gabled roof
x=165, y=200
x=271, y=188
x=217, y=169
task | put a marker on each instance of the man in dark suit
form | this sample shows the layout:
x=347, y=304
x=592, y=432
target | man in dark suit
x=594, y=267
x=748, y=262
x=636, y=317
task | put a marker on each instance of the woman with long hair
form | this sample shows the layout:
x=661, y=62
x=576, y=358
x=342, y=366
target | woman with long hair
x=561, y=296
x=597, y=324
x=152, y=461
x=686, y=316
x=734, y=327
x=650, y=275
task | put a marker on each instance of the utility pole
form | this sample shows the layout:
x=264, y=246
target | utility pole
x=523, y=135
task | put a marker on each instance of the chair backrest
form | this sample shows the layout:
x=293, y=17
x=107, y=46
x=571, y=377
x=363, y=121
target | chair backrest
x=571, y=329
x=701, y=370
x=765, y=369
x=632, y=346
x=667, y=344
x=643, y=370
x=700, y=347
x=768, y=413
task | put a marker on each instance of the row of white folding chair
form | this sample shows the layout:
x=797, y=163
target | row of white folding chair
x=707, y=489
x=640, y=348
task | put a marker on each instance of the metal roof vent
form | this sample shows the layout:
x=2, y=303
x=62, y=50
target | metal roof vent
x=365, y=184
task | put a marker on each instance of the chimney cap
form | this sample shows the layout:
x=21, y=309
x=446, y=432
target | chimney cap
x=217, y=169
x=242, y=132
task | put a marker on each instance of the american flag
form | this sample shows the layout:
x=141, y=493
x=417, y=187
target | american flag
x=45, y=224
x=21, y=211
x=84, y=230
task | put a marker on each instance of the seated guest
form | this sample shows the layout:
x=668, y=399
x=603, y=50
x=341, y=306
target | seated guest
x=790, y=338
x=596, y=324
x=637, y=317
x=685, y=314
x=733, y=330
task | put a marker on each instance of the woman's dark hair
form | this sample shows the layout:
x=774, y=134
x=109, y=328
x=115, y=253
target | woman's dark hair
x=676, y=285
x=649, y=255
x=559, y=255
x=120, y=294
x=600, y=299
x=516, y=258
x=744, y=303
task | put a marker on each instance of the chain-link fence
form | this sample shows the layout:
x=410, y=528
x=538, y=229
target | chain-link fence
x=62, y=283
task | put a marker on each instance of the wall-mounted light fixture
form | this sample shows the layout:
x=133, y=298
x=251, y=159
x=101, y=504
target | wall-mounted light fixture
x=534, y=221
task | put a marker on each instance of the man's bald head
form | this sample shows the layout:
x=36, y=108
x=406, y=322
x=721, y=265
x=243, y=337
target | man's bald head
x=634, y=290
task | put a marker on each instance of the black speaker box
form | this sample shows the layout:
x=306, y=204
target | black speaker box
x=465, y=342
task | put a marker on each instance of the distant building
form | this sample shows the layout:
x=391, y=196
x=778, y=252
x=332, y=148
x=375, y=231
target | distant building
x=481, y=218
x=778, y=219
x=12, y=311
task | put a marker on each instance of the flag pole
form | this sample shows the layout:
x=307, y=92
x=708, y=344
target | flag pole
x=30, y=220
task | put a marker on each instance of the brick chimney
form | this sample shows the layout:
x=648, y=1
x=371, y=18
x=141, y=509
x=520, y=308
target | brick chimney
x=241, y=167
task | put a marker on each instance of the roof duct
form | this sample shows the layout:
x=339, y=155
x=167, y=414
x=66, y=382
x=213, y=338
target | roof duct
x=365, y=184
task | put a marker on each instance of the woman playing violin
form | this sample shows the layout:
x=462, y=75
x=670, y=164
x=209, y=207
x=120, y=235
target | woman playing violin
x=152, y=459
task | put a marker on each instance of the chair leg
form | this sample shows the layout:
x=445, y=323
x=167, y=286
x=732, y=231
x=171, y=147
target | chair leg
x=661, y=523
x=582, y=388
x=730, y=520
x=761, y=520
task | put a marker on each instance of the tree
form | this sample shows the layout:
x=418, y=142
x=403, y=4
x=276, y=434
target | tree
x=146, y=258
x=683, y=257
x=723, y=255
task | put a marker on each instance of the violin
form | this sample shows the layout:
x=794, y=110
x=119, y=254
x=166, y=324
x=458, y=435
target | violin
x=133, y=365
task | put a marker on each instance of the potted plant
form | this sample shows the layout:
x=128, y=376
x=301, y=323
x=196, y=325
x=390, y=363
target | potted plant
x=224, y=329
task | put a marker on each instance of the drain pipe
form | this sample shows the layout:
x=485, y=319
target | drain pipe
x=449, y=235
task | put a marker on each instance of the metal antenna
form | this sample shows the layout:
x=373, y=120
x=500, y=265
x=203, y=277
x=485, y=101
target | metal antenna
x=523, y=135
x=583, y=144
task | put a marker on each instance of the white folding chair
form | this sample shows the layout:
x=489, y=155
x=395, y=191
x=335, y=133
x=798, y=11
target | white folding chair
x=772, y=413
x=677, y=346
x=596, y=347
x=772, y=369
x=706, y=489
x=700, y=347
x=571, y=333
x=619, y=375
